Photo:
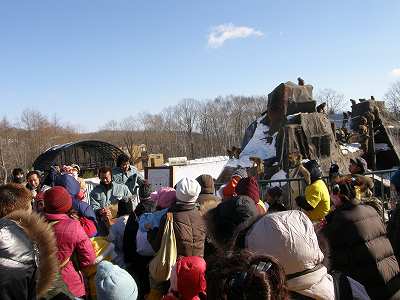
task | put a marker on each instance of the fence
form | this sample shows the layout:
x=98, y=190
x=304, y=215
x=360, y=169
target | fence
x=294, y=187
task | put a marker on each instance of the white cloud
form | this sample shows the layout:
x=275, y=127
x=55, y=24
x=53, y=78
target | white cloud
x=395, y=72
x=221, y=33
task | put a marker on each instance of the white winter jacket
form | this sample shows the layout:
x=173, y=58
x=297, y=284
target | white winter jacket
x=289, y=236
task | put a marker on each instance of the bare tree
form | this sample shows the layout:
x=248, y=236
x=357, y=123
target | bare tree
x=335, y=101
x=392, y=98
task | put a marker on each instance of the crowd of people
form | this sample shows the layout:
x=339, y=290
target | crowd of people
x=194, y=242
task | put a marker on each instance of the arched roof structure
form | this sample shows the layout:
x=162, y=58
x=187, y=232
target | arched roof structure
x=88, y=154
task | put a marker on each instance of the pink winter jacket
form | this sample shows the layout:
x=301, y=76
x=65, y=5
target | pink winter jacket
x=72, y=238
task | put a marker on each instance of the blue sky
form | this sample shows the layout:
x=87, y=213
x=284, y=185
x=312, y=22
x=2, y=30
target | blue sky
x=89, y=61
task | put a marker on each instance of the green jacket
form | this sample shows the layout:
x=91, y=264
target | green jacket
x=100, y=198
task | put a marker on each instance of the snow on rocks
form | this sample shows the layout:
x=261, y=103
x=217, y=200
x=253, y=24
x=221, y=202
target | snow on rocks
x=257, y=146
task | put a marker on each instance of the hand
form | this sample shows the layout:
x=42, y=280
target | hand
x=148, y=227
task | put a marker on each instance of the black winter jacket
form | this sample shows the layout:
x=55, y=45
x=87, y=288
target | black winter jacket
x=360, y=249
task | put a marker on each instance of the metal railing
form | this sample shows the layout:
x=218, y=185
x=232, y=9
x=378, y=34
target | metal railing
x=294, y=187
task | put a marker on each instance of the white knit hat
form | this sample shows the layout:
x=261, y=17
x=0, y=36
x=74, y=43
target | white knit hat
x=187, y=190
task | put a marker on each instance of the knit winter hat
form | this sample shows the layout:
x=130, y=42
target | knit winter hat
x=241, y=172
x=188, y=277
x=249, y=187
x=187, y=190
x=207, y=184
x=164, y=197
x=145, y=190
x=114, y=283
x=57, y=200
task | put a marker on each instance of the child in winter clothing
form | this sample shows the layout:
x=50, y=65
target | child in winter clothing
x=116, y=235
x=114, y=283
x=188, y=280
x=230, y=188
x=244, y=275
x=71, y=239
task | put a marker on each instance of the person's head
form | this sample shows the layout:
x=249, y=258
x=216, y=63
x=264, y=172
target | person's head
x=207, y=184
x=244, y=275
x=358, y=166
x=164, y=197
x=145, y=191
x=69, y=183
x=314, y=169
x=273, y=195
x=75, y=170
x=123, y=162
x=249, y=187
x=240, y=173
x=13, y=197
x=105, y=176
x=125, y=207
x=187, y=191
x=114, y=283
x=295, y=242
x=18, y=175
x=188, y=278
x=57, y=200
x=33, y=178
x=230, y=217
x=346, y=192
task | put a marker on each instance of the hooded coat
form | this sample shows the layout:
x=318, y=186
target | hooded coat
x=26, y=272
x=360, y=248
x=289, y=236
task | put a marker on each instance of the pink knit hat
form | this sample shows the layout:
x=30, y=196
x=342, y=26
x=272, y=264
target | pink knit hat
x=164, y=197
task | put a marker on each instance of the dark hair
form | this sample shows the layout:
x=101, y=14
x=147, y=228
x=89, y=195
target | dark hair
x=125, y=207
x=17, y=171
x=104, y=170
x=275, y=192
x=122, y=158
x=245, y=275
x=13, y=197
x=34, y=172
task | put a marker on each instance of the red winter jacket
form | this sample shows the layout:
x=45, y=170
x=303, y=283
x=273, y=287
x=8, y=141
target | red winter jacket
x=71, y=238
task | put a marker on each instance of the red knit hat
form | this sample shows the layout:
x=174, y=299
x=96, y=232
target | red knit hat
x=249, y=187
x=57, y=200
x=190, y=272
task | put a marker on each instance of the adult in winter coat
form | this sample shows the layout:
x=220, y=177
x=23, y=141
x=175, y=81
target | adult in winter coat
x=316, y=201
x=292, y=240
x=189, y=226
x=105, y=194
x=28, y=263
x=72, y=241
x=207, y=199
x=360, y=248
x=137, y=264
x=125, y=173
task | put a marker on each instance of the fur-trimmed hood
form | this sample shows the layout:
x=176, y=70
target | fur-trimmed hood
x=40, y=233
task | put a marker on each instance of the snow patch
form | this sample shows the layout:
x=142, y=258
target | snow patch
x=257, y=146
x=350, y=148
x=280, y=175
